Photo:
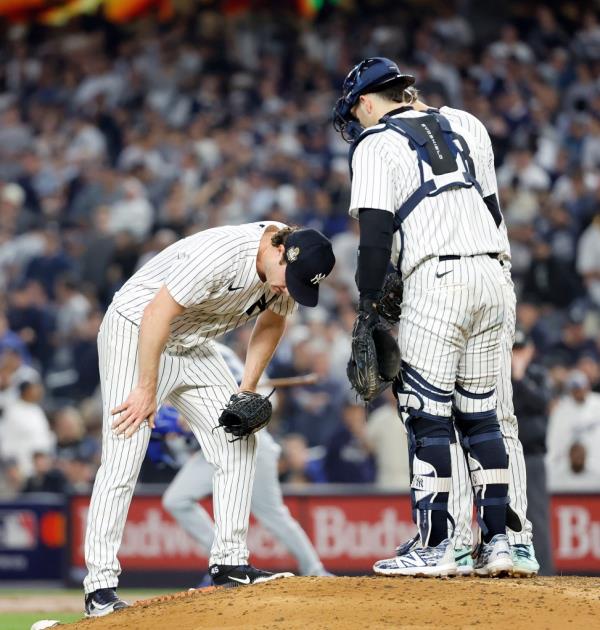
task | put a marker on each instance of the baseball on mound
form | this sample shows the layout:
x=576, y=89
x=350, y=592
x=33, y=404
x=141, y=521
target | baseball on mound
x=45, y=623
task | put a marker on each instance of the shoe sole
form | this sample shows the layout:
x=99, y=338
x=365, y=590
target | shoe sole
x=276, y=576
x=464, y=571
x=444, y=571
x=260, y=580
x=105, y=611
x=523, y=573
x=498, y=568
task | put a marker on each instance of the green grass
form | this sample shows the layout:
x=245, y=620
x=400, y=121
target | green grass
x=23, y=621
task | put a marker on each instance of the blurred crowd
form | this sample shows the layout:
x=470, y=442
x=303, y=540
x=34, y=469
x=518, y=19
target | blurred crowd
x=116, y=141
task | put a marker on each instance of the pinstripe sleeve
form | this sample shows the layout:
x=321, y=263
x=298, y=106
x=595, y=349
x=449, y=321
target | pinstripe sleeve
x=284, y=305
x=373, y=179
x=189, y=282
x=487, y=179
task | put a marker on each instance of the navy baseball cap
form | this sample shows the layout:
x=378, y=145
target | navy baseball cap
x=310, y=259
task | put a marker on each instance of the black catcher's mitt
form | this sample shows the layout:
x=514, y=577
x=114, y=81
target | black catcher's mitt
x=375, y=359
x=245, y=413
x=390, y=303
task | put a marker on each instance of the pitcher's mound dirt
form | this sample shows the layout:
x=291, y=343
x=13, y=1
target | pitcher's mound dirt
x=372, y=602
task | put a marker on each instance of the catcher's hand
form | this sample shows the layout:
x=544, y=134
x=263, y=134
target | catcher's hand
x=389, y=305
x=245, y=413
x=375, y=358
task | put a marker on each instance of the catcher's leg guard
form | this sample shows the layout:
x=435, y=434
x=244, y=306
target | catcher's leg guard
x=488, y=466
x=429, y=445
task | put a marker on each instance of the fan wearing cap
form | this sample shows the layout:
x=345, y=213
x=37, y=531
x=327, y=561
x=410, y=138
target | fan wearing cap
x=157, y=342
x=424, y=193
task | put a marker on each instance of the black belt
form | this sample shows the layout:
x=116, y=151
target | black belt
x=457, y=257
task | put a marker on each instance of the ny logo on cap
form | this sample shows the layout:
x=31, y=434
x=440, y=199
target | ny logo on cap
x=317, y=278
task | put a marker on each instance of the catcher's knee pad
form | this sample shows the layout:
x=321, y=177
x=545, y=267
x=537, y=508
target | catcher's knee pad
x=484, y=448
x=429, y=439
x=474, y=402
x=435, y=401
x=481, y=437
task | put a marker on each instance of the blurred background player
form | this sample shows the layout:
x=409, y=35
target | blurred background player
x=194, y=482
x=532, y=395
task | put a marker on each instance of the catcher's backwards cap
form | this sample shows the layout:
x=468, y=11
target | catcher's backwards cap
x=370, y=75
x=310, y=259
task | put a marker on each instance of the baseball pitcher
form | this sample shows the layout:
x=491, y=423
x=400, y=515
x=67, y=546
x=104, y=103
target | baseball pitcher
x=156, y=342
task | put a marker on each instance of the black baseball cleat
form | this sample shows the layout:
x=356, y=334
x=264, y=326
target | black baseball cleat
x=103, y=602
x=232, y=575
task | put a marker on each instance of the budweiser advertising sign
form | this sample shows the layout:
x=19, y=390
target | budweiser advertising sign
x=349, y=533
x=576, y=533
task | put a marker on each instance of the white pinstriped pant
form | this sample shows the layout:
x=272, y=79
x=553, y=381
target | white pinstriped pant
x=453, y=314
x=460, y=503
x=194, y=481
x=199, y=385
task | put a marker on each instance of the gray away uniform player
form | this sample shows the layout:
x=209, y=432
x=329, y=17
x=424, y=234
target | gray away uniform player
x=420, y=201
x=156, y=343
x=194, y=481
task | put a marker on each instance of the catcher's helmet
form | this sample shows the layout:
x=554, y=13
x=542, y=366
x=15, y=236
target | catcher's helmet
x=370, y=75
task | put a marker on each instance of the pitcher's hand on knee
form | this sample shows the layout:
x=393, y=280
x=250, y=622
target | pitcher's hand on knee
x=139, y=406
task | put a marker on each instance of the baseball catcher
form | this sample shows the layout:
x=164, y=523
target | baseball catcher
x=425, y=196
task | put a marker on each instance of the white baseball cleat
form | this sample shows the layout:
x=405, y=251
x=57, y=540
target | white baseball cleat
x=421, y=562
x=409, y=545
x=494, y=558
x=525, y=563
x=464, y=561
x=462, y=555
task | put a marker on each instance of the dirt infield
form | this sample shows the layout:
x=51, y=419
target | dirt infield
x=372, y=602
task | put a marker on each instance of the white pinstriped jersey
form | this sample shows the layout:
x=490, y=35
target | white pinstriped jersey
x=213, y=274
x=457, y=221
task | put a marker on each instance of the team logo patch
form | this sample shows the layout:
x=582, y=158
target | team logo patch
x=318, y=278
x=292, y=254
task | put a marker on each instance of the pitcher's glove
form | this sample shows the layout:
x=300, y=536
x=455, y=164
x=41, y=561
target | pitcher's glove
x=245, y=413
x=375, y=358
x=389, y=305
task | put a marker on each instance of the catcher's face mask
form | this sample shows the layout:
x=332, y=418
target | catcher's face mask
x=370, y=75
x=309, y=259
